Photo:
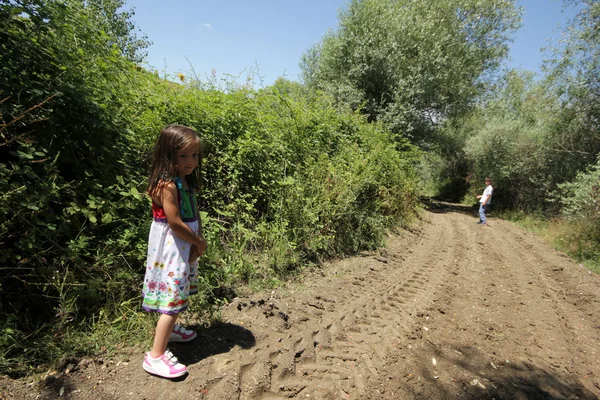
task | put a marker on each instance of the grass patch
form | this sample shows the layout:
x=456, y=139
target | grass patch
x=573, y=238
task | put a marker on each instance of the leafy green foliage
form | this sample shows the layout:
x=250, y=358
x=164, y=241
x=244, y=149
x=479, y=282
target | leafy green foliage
x=580, y=201
x=533, y=135
x=573, y=74
x=64, y=156
x=411, y=64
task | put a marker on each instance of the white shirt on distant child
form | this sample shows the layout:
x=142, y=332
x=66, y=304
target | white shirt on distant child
x=487, y=194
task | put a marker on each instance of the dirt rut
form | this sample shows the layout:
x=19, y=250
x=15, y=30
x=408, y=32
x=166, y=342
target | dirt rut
x=449, y=310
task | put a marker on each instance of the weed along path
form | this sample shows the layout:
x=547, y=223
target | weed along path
x=449, y=310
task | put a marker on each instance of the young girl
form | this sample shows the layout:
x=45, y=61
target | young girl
x=174, y=245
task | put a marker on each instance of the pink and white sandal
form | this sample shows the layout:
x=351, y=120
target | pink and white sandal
x=180, y=334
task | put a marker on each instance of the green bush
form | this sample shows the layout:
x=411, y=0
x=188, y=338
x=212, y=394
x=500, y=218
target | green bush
x=580, y=205
x=69, y=177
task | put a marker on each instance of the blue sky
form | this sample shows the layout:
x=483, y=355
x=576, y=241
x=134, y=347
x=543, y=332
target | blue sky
x=239, y=37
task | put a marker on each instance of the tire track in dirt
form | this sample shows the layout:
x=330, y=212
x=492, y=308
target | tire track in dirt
x=569, y=321
x=513, y=337
x=337, y=353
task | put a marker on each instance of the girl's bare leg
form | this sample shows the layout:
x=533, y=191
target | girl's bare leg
x=164, y=327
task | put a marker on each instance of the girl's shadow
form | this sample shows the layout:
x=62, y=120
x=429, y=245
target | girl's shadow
x=211, y=341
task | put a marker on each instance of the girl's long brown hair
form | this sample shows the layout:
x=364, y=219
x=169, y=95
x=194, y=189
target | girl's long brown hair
x=171, y=139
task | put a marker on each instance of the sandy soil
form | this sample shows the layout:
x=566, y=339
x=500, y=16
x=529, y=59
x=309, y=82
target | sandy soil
x=450, y=310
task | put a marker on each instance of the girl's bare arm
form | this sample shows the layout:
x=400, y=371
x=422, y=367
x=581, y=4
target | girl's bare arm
x=179, y=228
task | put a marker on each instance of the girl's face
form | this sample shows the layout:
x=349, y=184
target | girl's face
x=186, y=159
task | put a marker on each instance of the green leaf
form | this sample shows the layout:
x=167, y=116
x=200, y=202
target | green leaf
x=134, y=192
x=22, y=155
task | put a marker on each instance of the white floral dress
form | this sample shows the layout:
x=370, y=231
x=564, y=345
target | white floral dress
x=170, y=279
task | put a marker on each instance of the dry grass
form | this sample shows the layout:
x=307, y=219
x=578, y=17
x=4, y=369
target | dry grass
x=574, y=238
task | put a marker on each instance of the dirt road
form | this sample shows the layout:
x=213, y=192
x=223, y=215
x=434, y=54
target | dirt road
x=450, y=310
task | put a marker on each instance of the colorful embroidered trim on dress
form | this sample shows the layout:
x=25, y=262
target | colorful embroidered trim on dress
x=165, y=309
x=188, y=207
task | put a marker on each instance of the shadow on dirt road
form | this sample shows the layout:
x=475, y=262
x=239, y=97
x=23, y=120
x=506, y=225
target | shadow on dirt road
x=213, y=341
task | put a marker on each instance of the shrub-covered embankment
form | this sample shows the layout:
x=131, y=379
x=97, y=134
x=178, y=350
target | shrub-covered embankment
x=288, y=179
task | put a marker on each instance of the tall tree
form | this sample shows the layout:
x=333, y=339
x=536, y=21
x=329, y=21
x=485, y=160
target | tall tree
x=574, y=73
x=412, y=63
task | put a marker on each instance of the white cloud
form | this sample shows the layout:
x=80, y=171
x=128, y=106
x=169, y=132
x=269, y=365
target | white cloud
x=205, y=25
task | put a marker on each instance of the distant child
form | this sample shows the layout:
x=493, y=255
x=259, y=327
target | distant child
x=174, y=245
x=484, y=200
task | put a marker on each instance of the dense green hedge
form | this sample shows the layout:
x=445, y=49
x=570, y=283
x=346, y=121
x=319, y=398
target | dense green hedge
x=287, y=178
